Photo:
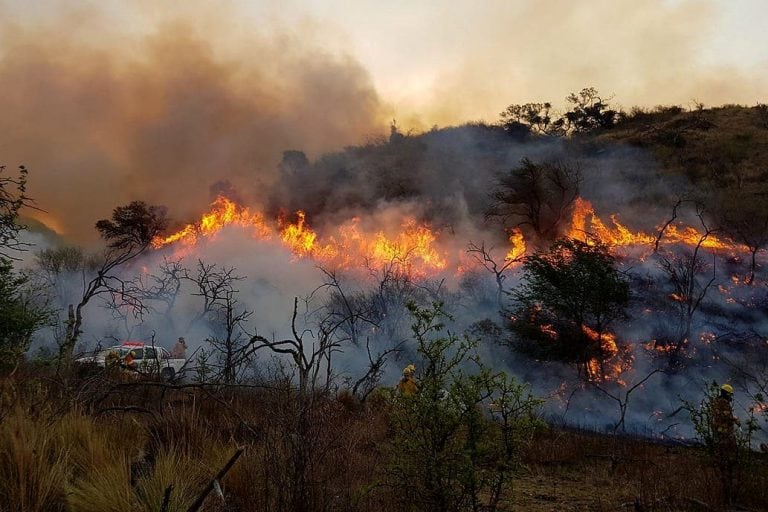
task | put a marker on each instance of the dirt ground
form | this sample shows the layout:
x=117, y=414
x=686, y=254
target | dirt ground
x=569, y=471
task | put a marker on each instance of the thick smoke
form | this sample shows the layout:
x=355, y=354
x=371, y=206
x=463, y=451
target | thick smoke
x=161, y=114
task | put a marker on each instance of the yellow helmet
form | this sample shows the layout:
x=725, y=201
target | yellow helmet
x=727, y=388
x=409, y=370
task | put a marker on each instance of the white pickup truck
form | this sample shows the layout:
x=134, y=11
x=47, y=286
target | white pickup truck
x=145, y=358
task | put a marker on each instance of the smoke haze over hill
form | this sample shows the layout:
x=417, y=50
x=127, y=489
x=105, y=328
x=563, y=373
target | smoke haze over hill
x=116, y=101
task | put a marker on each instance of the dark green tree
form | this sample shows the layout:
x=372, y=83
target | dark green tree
x=128, y=234
x=589, y=111
x=12, y=199
x=538, y=118
x=569, y=297
x=535, y=197
x=458, y=439
x=21, y=314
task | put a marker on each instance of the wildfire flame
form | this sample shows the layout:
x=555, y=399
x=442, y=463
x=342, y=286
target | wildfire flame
x=587, y=226
x=609, y=367
x=517, y=240
x=414, y=245
x=223, y=212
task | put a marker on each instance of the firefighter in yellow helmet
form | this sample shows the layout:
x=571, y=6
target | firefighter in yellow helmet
x=407, y=385
x=724, y=443
x=723, y=421
x=112, y=359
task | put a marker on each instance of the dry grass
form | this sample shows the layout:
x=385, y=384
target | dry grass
x=708, y=146
x=311, y=454
x=33, y=465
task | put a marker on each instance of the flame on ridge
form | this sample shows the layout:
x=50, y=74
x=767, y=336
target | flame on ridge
x=414, y=245
x=586, y=225
x=223, y=212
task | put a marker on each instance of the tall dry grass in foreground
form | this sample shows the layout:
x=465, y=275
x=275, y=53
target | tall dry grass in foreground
x=105, y=444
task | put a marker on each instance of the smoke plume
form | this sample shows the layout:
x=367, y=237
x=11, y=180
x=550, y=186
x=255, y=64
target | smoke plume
x=161, y=114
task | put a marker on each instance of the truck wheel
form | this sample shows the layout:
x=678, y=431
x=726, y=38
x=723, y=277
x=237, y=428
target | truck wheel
x=167, y=374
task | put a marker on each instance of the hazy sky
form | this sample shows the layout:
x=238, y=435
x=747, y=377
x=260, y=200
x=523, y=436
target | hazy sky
x=452, y=60
x=455, y=60
x=158, y=101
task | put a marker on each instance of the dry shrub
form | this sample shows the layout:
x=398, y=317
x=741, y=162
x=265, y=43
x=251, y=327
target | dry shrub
x=187, y=476
x=312, y=453
x=106, y=489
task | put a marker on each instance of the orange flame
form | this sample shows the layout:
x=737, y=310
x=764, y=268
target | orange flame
x=223, y=212
x=607, y=340
x=303, y=241
x=587, y=226
x=517, y=240
x=610, y=367
x=414, y=245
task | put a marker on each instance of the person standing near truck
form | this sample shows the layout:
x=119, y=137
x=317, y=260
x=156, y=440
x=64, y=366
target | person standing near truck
x=179, y=350
x=129, y=362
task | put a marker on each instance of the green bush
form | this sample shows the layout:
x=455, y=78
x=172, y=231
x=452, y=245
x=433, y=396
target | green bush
x=458, y=439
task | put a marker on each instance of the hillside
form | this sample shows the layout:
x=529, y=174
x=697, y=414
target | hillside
x=410, y=250
x=714, y=145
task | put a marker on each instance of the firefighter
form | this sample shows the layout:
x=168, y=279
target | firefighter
x=725, y=447
x=723, y=421
x=128, y=360
x=179, y=350
x=112, y=359
x=407, y=385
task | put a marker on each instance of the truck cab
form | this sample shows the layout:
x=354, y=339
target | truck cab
x=146, y=358
x=152, y=359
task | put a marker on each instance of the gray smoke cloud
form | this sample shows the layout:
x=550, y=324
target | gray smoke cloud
x=161, y=114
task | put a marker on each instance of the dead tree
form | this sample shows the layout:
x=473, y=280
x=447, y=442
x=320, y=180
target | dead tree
x=162, y=287
x=498, y=269
x=536, y=197
x=393, y=286
x=349, y=306
x=621, y=397
x=684, y=274
x=366, y=383
x=232, y=342
x=212, y=284
x=310, y=350
x=355, y=311
x=232, y=346
x=669, y=222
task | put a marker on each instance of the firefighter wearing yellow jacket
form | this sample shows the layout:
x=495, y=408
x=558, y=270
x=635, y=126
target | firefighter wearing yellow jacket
x=725, y=446
x=723, y=420
x=407, y=385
